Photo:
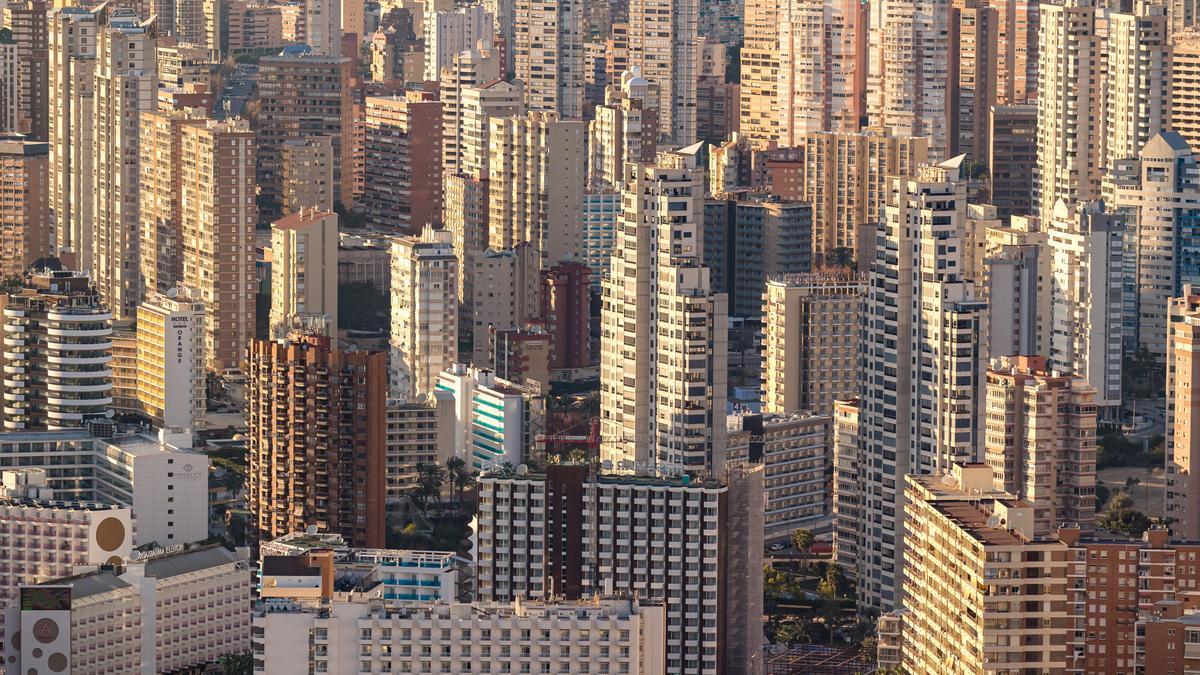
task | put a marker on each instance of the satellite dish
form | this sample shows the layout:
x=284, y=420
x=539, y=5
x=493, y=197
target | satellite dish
x=947, y=479
x=311, y=529
x=172, y=292
x=993, y=521
x=522, y=470
x=422, y=398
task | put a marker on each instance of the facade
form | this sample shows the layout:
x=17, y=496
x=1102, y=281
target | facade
x=219, y=215
x=170, y=361
x=452, y=31
x=624, y=129
x=10, y=89
x=404, y=162
x=332, y=472
x=1040, y=441
x=164, y=613
x=160, y=203
x=1160, y=192
x=1018, y=304
x=662, y=406
x=1011, y=156
x=469, y=68
x=749, y=238
x=547, y=54
x=968, y=549
x=910, y=88
x=58, y=349
x=304, y=272
x=1138, y=95
x=306, y=172
x=417, y=432
x=536, y=184
x=847, y=492
x=1183, y=418
x=794, y=452
x=72, y=63
x=505, y=295
x=323, y=27
x=933, y=329
x=811, y=341
x=1070, y=112
x=303, y=94
x=494, y=420
x=713, y=620
x=424, y=330
x=125, y=85
x=974, y=25
x=521, y=356
x=1087, y=248
x=26, y=19
x=664, y=44
x=601, y=211
x=1185, y=82
x=566, y=306
x=24, y=203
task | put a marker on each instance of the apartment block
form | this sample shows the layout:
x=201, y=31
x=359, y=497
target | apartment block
x=690, y=545
x=1185, y=85
x=624, y=129
x=304, y=272
x=72, y=107
x=424, y=320
x=847, y=494
x=1183, y=418
x=547, y=54
x=566, y=306
x=171, y=377
x=58, y=346
x=505, y=295
x=306, y=173
x=164, y=612
x=469, y=68
x=24, y=203
x=417, y=432
x=663, y=42
x=9, y=89
x=521, y=356
x=1138, y=87
x=794, y=452
x=662, y=407
x=160, y=207
x=453, y=30
x=332, y=471
x=26, y=19
x=811, y=341
x=1011, y=157
x=495, y=421
x=1040, y=441
x=404, y=161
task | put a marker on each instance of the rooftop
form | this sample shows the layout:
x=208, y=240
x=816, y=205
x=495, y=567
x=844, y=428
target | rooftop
x=190, y=560
x=91, y=583
x=139, y=445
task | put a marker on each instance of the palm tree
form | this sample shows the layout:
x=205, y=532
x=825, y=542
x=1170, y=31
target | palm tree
x=456, y=469
x=429, y=482
x=803, y=541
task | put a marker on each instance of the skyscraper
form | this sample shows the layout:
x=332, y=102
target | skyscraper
x=624, y=129
x=72, y=62
x=663, y=344
x=909, y=85
x=403, y=187
x=1070, y=111
x=921, y=314
x=304, y=272
x=1138, y=87
x=663, y=42
x=760, y=114
x=821, y=80
x=424, y=330
x=452, y=31
x=24, y=203
x=547, y=50
x=331, y=471
x=27, y=21
x=126, y=85
x=323, y=27
x=1183, y=416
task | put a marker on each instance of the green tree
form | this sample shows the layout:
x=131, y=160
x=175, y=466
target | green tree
x=803, y=540
x=867, y=651
x=236, y=664
x=1127, y=521
x=792, y=632
x=461, y=478
x=429, y=482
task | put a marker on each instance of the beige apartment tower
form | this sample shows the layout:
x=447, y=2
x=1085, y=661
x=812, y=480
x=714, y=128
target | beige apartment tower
x=821, y=83
x=217, y=186
x=811, y=325
x=306, y=171
x=72, y=41
x=24, y=203
x=424, y=330
x=160, y=208
x=1185, y=86
x=663, y=42
x=304, y=249
x=1183, y=414
x=170, y=360
x=548, y=55
x=1040, y=441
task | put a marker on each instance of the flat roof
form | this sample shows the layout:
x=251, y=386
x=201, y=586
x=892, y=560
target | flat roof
x=192, y=560
x=140, y=444
x=973, y=520
x=92, y=583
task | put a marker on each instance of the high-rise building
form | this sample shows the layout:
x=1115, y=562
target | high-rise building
x=845, y=175
x=1137, y=82
x=24, y=203
x=961, y=535
x=624, y=129
x=1185, y=86
x=424, y=330
x=323, y=27
x=1011, y=156
x=663, y=42
x=58, y=349
x=1087, y=249
x=547, y=49
x=847, y=495
x=331, y=472
x=469, y=68
x=750, y=237
x=1040, y=441
x=403, y=188
x=304, y=252
x=1160, y=191
x=306, y=174
x=171, y=379
x=9, y=83
x=920, y=415
x=759, y=115
x=974, y=27
x=536, y=184
x=821, y=83
x=1183, y=417
x=72, y=62
x=1070, y=110
x=495, y=420
x=160, y=206
x=126, y=84
x=26, y=19
x=219, y=214
x=304, y=94
x=454, y=30
x=1016, y=51
x=910, y=88
x=1016, y=288
x=418, y=432
x=810, y=346
x=477, y=105
x=543, y=535
x=663, y=329
x=504, y=295
x=566, y=311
